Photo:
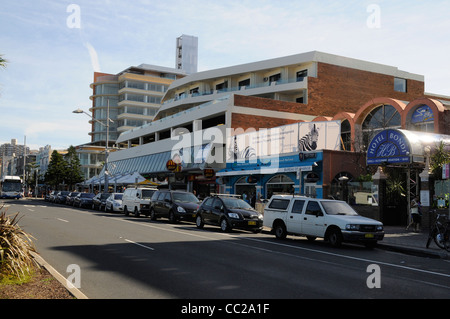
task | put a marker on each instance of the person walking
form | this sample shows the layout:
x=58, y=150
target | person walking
x=415, y=214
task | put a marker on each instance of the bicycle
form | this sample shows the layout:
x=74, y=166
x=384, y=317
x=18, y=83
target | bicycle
x=440, y=232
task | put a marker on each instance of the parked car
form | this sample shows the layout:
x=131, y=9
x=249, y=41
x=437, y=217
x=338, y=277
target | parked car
x=333, y=220
x=174, y=205
x=137, y=200
x=83, y=200
x=228, y=212
x=99, y=201
x=70, y=197
x=50, y=195
x=61, y=197
x=114, y=202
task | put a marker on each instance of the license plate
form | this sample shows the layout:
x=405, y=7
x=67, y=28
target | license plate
x=251, y=223
x=369, y=236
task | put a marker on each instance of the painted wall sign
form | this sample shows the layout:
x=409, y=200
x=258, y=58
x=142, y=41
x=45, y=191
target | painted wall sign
x=422, y=114
x=389, y=146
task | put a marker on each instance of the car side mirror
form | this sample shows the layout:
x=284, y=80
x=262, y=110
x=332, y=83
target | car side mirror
x=319, y=213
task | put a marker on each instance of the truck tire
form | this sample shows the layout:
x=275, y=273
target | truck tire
x=280, y=230
x=334, y=236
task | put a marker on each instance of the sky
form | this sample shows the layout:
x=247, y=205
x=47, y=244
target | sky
x=53, y=47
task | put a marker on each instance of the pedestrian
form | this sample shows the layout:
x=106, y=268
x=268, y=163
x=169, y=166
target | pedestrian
x=415, y=214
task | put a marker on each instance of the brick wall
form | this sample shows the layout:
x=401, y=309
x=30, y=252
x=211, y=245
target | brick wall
x=338, y=89
x=246, y=121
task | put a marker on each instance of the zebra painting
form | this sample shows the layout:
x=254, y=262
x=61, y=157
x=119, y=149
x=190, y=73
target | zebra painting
x=247, y=153
x=309, y=141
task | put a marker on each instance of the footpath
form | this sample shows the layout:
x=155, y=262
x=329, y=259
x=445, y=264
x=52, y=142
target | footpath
x=398, y=239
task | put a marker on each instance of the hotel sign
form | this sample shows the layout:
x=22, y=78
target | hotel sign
x=389, y=146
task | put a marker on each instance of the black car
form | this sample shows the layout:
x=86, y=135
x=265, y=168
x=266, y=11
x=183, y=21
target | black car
x=61, y=197
x=70, y=197
x=99, y=201
x=83, y=200
x=228, y=212
x=174, y=205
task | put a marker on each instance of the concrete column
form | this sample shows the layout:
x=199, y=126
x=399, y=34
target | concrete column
x=379, y=180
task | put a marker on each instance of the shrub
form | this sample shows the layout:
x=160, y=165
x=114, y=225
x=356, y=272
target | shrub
x=15, y=248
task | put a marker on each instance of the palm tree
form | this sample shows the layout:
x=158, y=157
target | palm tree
x=3, y=61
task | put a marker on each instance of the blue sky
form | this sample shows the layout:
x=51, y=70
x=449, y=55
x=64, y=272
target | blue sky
x=53, y=51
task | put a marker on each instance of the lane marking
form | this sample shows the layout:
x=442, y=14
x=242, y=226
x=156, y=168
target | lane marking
x=133, y=242
x=63, y=220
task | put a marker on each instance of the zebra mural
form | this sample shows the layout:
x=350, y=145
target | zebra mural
x=246, y=153
x=309, y=141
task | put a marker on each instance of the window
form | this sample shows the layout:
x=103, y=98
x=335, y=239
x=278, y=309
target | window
x=399, y=85
x=313, y=208
x=279, y=204
x=298, y=207
x=244, y=83
x=275, y=77
x=301, y=75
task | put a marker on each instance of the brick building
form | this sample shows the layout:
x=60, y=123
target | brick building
x=309, y=87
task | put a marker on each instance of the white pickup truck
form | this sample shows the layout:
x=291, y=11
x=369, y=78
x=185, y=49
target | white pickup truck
x=332, y=220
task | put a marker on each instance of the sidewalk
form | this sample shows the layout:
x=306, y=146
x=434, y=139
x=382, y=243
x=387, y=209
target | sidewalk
x=398, y=239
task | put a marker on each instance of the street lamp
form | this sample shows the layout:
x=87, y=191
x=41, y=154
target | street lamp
x=79, y=111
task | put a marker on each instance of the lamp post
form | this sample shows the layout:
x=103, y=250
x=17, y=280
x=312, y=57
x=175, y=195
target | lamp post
x=79, y=111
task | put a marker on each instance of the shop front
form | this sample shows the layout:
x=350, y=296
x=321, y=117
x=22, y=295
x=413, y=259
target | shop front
x=260, y=179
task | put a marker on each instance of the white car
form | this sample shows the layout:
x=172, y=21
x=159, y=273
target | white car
x=332, y=220
x=114, y=203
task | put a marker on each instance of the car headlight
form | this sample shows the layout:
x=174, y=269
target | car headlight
x=380, y=228
x=351, y=227
x=260, y=216
x=233, y=215
x=181, y=209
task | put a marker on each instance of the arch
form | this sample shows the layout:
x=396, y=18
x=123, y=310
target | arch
x=322, y=119
x=436, y=106
x=349, y=117
x=360, y=116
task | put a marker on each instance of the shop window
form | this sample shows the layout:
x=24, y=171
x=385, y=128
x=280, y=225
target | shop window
x=279, y=184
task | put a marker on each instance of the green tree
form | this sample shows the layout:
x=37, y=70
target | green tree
x=57, y=170
x=74, y=174
x=439, y=157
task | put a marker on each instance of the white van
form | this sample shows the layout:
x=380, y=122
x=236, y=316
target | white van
x=137, y=200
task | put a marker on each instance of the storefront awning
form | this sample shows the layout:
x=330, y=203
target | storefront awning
x=395, y=146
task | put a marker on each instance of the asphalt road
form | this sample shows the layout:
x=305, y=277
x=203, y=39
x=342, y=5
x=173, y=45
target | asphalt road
x=127, y=257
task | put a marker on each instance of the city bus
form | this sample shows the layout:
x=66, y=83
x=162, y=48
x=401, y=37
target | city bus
x=11, y=187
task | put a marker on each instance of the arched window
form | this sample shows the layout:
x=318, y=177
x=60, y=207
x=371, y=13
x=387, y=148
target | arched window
x=380, y=118
x=346, y=136
x=422, y=119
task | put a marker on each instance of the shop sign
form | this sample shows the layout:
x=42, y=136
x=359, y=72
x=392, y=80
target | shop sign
x=446, y=171
x=208, y=173
x=171, y=165
x=422, y=114
x=388, y=146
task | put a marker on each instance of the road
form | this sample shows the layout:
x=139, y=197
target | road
x=127, y=257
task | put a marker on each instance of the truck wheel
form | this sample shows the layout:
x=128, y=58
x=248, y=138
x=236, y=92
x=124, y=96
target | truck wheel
x=136, y=212
x=125, y=211
x=335, y=237
x=280, y=230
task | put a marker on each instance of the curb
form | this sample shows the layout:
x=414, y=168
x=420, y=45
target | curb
x=72, y=290
x=414, y=251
